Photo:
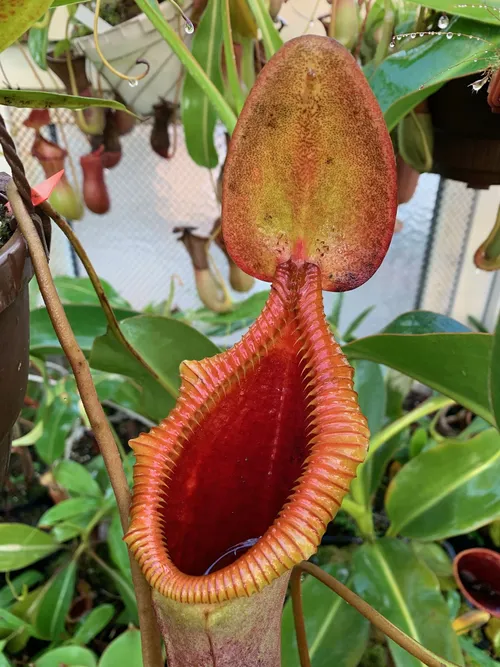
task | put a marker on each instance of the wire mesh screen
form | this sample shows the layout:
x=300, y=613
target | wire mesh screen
x=134, y=247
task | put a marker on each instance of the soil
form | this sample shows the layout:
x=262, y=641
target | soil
x=118, y=11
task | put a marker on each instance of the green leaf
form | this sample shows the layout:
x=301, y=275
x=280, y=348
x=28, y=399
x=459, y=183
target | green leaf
x=336, y=633
x=69, y=656
x=455, y=364
x=38, y=41
x=118, y=390
x=163, y=343
x=475, y=654
x=407, y=77
x=16, y=20
x=270, y=36
x=369, y=383
x=67, y=530
x=124, y=650
x=76, y=479
x=10, y=621
x=93, y=624
x=117, y=547
x=424, y=322
x=22, y=545
x=87, y=323
x=124, y=586
x=390, y=577
x=198, y=115
x=27, y=579
x=470, y=10
x=55, y=603
x=68, y=509
x=494, y=375
x=435, y=557
x=81, y=291
x=418, y=441
x=448, y=490
x=63, y=3
x=38, y=99
x=59, y=419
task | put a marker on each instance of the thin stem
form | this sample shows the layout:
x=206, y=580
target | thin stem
x=231, y=68
x=270, y=36
x=389, y=629
x=298, y=618
x=151, y=646
x=192, y=66
x=362, y=515
x=113, y=323
x=431, y=405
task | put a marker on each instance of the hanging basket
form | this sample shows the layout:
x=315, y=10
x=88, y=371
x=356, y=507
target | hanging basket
x=466, y=134
x=137, y=39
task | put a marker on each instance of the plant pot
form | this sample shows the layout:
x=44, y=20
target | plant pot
x=16, y=271
x=466, y=134
x=133, y=39
x=477, y=573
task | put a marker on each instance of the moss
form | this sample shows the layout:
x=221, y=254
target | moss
x=5, y=228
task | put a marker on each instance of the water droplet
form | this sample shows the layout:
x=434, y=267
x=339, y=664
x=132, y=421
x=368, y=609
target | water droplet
x=421, y=34
x=189, y=27
x=421, y=87
x=475, y=60
x=449, y=35
x=459, y=34
x=443, y=22
x=133, y=83
x=398, y=38
x=477, y=85
x=392, y=45
x=413, y=35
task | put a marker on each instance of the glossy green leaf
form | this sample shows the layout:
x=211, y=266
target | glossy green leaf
x=418, y=441
x=11, y=622
x=80, y=291
x=434, y=556
x=87, y=322
x=163, y=343
x=369, y=384
x=448, y=490
x=26, y=579
x=95, y=621
x=41, y=99
x=70, y=528
x=455, y=364
x=270, y=36
x=407, y=77
x=38, y=41
x=424, y=322
x=117, y=547
x=473, y=10
x=69, y=656
x=17, y=16
x=55, y=603
x=22, y=545
x=198, y=115
x=59, y=420
x=118, y=390
x=475, y=655
x=63, y=3
x=390, y=577
x=336, y=633
x=68, y=509
x=494, y=375
x=124, y=650
x=76, y=479
x=4, y=662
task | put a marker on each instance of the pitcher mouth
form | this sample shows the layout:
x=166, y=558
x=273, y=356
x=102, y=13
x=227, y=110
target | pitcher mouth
x=259, y=451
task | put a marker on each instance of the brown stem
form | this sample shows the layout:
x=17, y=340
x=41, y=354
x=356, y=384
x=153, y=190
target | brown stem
x=389, y=629
x=113, y=323
x=151, y=646
x=298, y=618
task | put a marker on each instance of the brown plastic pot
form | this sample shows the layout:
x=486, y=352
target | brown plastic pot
x=16, y=271
x=477, y=573
x=466, y=134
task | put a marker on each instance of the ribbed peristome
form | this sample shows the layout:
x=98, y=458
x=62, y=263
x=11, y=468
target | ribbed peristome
x=336, y=436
